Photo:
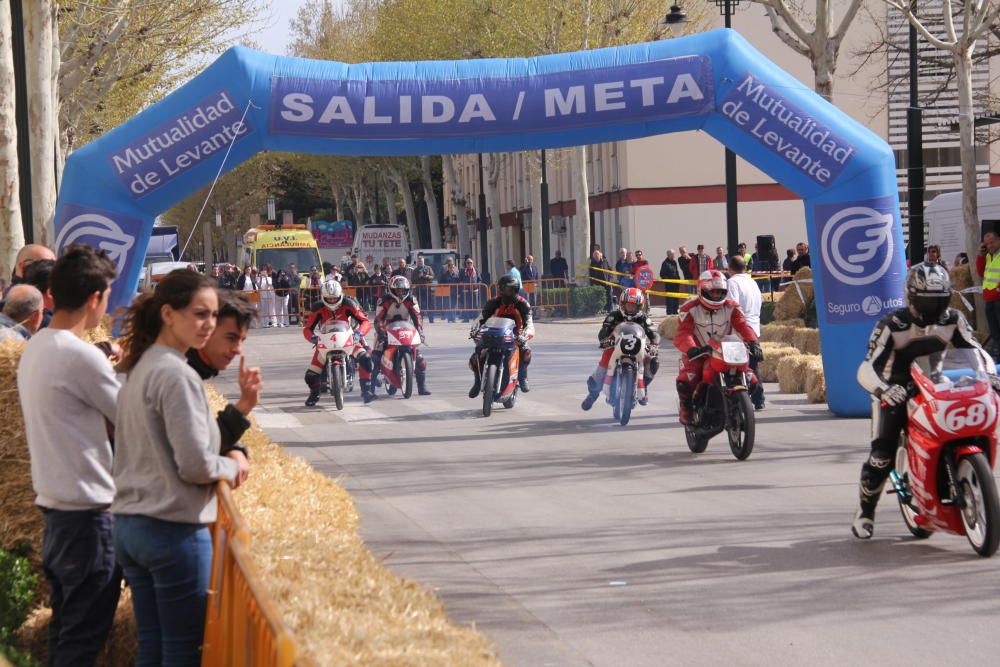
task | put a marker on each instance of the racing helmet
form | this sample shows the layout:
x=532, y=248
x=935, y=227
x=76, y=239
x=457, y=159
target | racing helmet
x=928, y=291
x=399, y=288
x=630, y=302
x=508, y=289
x=712, y=289
x=332, y=293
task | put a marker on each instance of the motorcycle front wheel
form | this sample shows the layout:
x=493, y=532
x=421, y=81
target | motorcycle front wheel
x=909, y=514
x=696, y=444
x=741, y=427
x=626, y=394
x=981, y=513
x=406, y=375
x=489, y=382
x=337, y=384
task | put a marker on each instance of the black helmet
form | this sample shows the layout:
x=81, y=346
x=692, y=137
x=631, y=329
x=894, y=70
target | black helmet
x=508, y=289
x=928, y=291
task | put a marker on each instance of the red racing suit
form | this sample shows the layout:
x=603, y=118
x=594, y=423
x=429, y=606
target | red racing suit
x=697, y=327
x=349, y=311
x=390, y=310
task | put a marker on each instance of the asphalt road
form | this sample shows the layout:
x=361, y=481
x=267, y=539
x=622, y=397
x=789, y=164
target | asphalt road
x=570, y=540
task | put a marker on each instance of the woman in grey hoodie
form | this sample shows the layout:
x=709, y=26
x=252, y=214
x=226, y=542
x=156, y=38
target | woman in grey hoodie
x=166, y=462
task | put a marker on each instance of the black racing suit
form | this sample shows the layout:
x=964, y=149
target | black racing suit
x=611, y=321
x=524, y=329
x=894, y=344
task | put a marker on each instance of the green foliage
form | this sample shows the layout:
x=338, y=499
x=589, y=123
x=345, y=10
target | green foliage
x=17, y=592
x=767, y=312
x=586, y=301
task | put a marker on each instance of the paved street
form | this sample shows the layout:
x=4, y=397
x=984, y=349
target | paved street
x=570, y=540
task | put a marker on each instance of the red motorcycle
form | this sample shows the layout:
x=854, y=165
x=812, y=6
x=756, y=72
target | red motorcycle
x=722, y=401
x=943, y=478
x=401, y=342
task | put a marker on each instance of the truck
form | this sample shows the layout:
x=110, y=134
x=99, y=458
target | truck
x=946, y=225
x=436, y=258
x=373, y=243
x=164, y=246
x=280, y=246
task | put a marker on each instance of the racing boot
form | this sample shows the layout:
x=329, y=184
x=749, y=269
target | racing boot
x=594, y=391
x=643, y=397
x=686, y=404
x=522, y=380
x=313, y=380
x=477, y=385
x=873, y=475
x=367, y=391
x=422, y=384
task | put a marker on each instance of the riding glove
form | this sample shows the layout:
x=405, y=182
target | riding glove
x=893, y=395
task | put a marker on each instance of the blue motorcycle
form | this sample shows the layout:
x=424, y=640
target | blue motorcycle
x=500, y=360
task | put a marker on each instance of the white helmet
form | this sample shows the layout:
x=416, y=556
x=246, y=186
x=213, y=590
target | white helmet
x=332, y=294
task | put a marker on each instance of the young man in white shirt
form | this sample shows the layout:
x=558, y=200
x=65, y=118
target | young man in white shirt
x=68, y=393
x=743, y=289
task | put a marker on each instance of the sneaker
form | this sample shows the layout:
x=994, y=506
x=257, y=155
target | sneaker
x=863, y=527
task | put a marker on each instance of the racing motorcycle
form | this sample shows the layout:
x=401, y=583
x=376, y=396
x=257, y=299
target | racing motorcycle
x=722, y=401
x=500, y=360
x=625, y=370
x=336, y=340
x=943, y=475
x=401, y=342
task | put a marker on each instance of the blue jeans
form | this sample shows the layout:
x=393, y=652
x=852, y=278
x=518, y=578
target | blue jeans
x=167, y=565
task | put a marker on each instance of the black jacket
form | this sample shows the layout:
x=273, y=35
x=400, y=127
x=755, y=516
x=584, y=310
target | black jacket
x=670, y=269
x=232, y=423
x=615, y=318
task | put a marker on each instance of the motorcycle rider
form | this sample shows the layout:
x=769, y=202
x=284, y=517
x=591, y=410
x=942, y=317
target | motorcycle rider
x=399, y=304
x=508, y=303
x=630, y=309
x=708, y=316
x=334, y=306
x=925, y=326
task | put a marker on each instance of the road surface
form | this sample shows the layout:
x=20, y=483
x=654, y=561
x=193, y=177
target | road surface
x=570, y=540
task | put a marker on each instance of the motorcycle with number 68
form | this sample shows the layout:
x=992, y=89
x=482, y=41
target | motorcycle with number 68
x=943, y=474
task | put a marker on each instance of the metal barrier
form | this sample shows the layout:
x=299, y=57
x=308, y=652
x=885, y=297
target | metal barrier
x=548, y=294
x=242, y=626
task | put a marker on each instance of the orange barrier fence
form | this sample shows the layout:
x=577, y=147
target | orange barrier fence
x=242, y=626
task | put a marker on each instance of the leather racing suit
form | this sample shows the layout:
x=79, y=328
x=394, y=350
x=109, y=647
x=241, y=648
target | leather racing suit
x=650, y=365
x=390, y=309
x=524, y=329
x=351, y=312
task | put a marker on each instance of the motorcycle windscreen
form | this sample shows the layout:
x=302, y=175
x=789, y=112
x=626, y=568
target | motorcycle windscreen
x=954, y=369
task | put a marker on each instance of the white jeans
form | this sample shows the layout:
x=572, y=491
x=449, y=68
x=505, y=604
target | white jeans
x=267, y=308
x=281, y=301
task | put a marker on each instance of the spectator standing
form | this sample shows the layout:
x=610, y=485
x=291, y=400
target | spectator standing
x=295, y=294
x=377, y=283
x=720, y=261
x=512, y=271
x=38, y=274
x=741, y=250
x=22, y=314
x=265, y=283
x=386, y=267
x=599, y=277
x=401, y=269
x=670, y=269
x=988, y=268
x=450, y=276
x=559, y=266
x=68, y=392
x=166, y=462
x=933, y=255
x=700, y=262
x=282, y=288
x=623, y=265
x=787, y=264
x=743, y=289
x=25, y=256
x=529, y=270
x=470, y=300
x=423, y=277
x=802, y=258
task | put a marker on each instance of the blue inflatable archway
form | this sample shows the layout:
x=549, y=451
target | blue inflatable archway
x=246, y=102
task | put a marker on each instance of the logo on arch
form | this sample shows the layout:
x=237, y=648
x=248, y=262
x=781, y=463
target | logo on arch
x=860, y=259
x=112, y=232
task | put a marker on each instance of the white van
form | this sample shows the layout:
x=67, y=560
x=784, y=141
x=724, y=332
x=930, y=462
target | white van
x=373, y=243
x=946, y=226
x=434, y=258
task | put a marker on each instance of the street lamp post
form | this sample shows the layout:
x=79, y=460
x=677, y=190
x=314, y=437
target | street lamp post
x=915, y=157
x=732, y=221
x=484, y=248
x=543, y=219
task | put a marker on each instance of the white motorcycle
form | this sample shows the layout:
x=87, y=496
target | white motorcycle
x=335, y=340
x=625, y=368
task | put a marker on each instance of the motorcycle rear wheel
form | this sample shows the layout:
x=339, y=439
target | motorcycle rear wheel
x=406, y=375
x=981, y=515
x=509, y=403
x=742, y=426
x=696, y=444
x=489, y=380
x=909, y=514
x=337, y=384
x=626, y=394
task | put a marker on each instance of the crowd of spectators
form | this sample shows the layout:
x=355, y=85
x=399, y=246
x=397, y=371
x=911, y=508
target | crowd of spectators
x=124, y=477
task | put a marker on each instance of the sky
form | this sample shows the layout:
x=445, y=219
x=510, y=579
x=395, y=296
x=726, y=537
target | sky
x=274, y=38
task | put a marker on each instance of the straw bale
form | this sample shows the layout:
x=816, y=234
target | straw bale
x=807, y=340
x=777, y=333
x=961, y=278
x=792, y=373
x=668, y=327
x=773, y=353
x=815, y=380
x=790, y=305
x=119, y=650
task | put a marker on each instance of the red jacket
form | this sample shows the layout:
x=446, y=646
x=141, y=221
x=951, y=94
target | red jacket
x=348, y=310
x=988, y=294
x=693, y=264
x=698, y=325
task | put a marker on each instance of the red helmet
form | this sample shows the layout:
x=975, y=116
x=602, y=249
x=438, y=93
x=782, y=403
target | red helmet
x=712, y=289
x=630, y=302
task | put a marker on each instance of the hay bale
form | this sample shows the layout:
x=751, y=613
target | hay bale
x=668, y=327
x=815, y=380
x=119, y=650
x=806, y=340
x=792, y=373
x=961, y=278
x=777, y=333
x=767, y=370
x=791, y=305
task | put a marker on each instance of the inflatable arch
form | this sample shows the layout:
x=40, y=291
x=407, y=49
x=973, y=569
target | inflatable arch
x=247, y=101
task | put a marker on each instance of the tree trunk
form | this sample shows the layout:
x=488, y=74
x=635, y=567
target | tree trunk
x=11, y=231
x=970, y=204
x=338, y=200
x=38, y=25
x=452, y=187
x=358, y=195
x=408, y=206
x=59, y=155
x=824, y=66
x=581, y=230
x=389, y=188
x=491, y=163
x=372, y=207
x=433, y=217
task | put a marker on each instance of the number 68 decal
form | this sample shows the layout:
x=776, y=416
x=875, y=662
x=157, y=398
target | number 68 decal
x=966, y=416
